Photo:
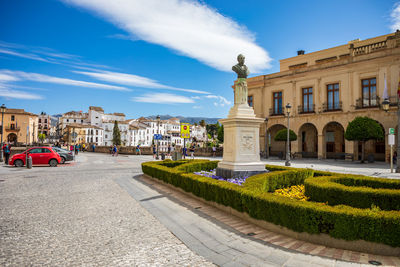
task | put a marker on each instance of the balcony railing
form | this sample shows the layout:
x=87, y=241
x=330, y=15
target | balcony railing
x=12, y=128
x=306, y=109
x=277, y=112
x=337, y=106
x=368, y=103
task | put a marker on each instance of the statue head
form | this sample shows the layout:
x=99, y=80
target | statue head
x=240, y=59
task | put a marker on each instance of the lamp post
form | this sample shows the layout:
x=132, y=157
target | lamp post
x=2, y=110
x=158, y=132
x=266, y=139
x=288, y=109
x=385, y=107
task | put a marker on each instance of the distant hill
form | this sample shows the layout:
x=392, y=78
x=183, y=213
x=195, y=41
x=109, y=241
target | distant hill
x=190, y=120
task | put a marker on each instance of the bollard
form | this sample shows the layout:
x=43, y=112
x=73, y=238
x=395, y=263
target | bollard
x=29, y=163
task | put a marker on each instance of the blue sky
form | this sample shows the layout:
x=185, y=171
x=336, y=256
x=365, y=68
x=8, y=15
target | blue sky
x=148, y=57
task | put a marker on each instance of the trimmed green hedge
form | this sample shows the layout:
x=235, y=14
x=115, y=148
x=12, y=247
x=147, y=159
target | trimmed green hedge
x=356, y=191
x=343, y=222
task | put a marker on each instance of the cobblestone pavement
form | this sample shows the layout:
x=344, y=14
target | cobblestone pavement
x=77, y=215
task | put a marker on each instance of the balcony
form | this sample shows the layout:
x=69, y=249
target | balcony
x=394, y=100
x=12, y=128
x=362, y=103
x=332, y=107
x=301, y=109
x=277, y=112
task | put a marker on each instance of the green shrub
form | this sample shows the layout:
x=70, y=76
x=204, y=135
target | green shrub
x=343, y=222
x=355, y=191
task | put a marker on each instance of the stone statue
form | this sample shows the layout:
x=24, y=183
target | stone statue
x=240, y=68
x=241, y=83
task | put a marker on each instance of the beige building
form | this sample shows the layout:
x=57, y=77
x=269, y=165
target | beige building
x=327, y=89
x=19, y=126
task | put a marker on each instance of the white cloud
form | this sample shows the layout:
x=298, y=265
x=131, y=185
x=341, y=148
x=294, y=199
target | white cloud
x=162, y=98
x=222, y=101
x=189, y=27
x=8, y=93
x=7, y=78
x=23, y=55
x=36, y=77
x=133, y=80
x=395, y=16
x=196, y=97
x=197, y=107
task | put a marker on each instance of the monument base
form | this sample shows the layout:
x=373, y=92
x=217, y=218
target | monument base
x=239, y=170
x=241, y=144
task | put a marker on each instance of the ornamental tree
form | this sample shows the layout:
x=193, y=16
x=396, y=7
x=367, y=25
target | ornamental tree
x=281, y=135
x=116, y=134
x=362, y=129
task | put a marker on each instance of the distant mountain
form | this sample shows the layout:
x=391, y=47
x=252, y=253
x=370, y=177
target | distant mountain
x=191, y=120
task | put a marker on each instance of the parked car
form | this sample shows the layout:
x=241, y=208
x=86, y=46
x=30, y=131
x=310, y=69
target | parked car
x=40, y=156
x=64, y=154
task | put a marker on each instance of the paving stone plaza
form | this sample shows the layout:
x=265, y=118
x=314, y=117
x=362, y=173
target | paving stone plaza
x=98, y=212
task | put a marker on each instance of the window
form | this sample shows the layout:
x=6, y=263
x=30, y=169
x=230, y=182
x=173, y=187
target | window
x=12, y=126
x=12, y=118
x=74, y=120
x=97, y=139
x=67, y=120
x=277, y=103
x=333, y=96
x=35, y=151
x=97, y=132
x=308, y=100
x=250, y=100
x=45, y=120
x=369, y=98
x=45, y=150
x=40, y=120
x=81, y=121
x=106, y=136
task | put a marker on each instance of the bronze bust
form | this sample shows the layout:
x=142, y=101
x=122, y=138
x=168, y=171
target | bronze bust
x=240, y=68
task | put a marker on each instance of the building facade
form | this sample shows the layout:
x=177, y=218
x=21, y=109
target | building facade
x=19, y=126
x=327, y=89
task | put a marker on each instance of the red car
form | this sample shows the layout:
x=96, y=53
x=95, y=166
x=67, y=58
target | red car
x=40, y=156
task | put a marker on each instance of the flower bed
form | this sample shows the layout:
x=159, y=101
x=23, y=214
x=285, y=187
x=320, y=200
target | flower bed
x=212, y=174
x=255, y=196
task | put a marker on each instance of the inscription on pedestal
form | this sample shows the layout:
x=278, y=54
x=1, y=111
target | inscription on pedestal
x=247, y=142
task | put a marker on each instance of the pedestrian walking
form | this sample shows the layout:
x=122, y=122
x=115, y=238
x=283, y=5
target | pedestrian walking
x=7, y=152
x=138, y=150
x=214, y=150
x=169, y=151
x=154, y=152
x=115, y=151
x=76, y=149
x=192, y=151
x=83, y=148
x=93, y=147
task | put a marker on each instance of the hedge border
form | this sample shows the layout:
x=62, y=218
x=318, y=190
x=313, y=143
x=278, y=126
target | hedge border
x=354, y=191
x=341, y=222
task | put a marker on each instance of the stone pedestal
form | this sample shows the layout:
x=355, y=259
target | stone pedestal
x=241, y=143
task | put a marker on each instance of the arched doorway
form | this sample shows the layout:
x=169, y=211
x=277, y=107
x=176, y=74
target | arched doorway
x=12, y=138
x=276, y=148
x=334, y=140
x=308, y=140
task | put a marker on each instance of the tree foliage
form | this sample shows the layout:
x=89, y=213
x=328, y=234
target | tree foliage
x=116, y=134
x=42, y=137
x=281, y=135
x=202, y=123
x=364, y=129
x=221, y=134
x=212, y=129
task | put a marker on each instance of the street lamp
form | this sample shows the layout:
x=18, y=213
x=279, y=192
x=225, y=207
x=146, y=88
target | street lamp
x=158, y=132
x=266, y=139
x=288, y=109
x=2, y=110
